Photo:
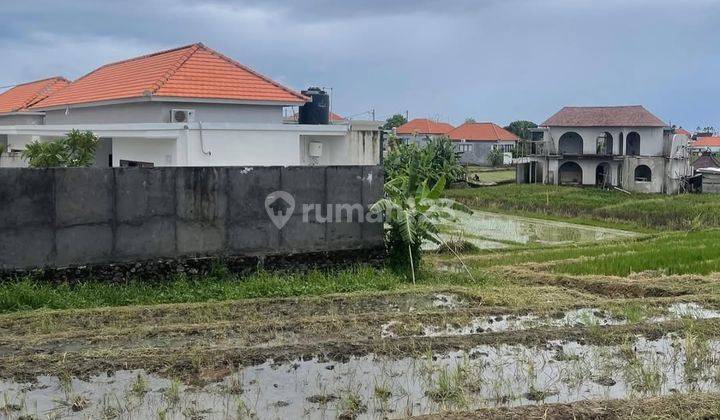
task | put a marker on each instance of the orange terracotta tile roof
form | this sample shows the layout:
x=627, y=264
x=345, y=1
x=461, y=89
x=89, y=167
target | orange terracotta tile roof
x=604, y=116
x=706, y=142
x=483, y=131
x=424, y=126
x=21, y=97
x=193, y=71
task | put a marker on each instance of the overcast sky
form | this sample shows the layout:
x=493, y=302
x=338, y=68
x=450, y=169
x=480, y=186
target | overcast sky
x=492, y=60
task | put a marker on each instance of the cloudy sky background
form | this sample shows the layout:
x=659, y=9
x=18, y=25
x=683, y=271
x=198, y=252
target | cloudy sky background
x=492, y=60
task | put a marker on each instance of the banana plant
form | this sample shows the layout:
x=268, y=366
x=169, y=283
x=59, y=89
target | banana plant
x=413, y=213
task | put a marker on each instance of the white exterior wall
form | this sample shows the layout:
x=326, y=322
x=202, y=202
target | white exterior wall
x=222, y=134
x=160, y=152
x=238, y=148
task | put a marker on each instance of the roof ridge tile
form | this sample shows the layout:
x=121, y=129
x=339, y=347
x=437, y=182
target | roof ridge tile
x=174, y=68
x=253, y=72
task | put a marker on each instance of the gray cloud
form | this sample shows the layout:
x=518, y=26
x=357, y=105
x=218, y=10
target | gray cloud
x=492, y=60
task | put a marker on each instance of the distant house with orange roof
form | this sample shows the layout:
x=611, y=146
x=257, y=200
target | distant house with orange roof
x=706, y=144
x=475, y=140
x=187, y=106
x=419, y=130
x=15, y=105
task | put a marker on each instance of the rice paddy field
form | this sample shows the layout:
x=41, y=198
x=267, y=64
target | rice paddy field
x=595, y=206
x=602, y=325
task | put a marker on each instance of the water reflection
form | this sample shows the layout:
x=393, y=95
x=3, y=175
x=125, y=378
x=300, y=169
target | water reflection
x=491, y=230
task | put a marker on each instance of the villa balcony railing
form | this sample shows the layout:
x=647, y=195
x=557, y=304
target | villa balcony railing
x=543, y=148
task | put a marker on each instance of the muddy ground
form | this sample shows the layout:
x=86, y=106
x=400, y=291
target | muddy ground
x=530, y=344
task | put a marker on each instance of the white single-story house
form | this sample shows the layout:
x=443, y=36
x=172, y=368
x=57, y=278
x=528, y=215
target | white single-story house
x=189, y=106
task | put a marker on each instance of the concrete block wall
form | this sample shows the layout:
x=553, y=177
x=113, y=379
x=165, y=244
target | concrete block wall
x=81, y=216
x=711, y=183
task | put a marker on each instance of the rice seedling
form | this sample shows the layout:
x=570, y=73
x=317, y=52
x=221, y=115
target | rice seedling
x=139, y=387
x=447, y=388
x=171, y=395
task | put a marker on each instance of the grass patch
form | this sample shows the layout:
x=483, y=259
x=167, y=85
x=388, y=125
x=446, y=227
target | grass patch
x=654, y=211
x=677, y=253
x=492, y=175
x=28, y=294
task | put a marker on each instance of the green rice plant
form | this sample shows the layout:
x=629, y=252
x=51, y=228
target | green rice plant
x=698, y=357
x=448, y=387
x=29, y=294
x=632, y=312
x=591, y=205
x=645, y=378
x=677, y=253
x=139, y=387
x=352, y=406
x=171, y=395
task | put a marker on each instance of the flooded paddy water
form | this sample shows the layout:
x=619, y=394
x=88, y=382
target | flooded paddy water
x=374, y=386
x=488, y=230
x=396, y=385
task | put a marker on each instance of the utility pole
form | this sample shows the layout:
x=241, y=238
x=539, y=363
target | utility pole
x=407, y=115
x=373, y=113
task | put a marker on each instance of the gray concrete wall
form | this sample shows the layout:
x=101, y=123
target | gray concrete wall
x=657, y=168
x=711, y=183
x=79, y=216
x=159, y=112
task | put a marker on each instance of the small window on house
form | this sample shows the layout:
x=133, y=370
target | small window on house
x=643, y=174
x=135, y=164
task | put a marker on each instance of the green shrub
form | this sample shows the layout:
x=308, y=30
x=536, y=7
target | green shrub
x=435, y=160
x=77, y=149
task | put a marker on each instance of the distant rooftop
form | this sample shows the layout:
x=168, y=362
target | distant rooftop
x=604, y=116
x=23, y=96
x=424, y=126
x=706, y=142
x=482, y=131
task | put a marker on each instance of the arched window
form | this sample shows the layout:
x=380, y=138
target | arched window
x=643, y=173
x=604, y=144
x=570, y=173
x=633, y=144
x=570, y=143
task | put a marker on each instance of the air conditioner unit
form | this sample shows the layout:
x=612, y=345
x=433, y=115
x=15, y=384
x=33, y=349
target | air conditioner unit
x=182, y=115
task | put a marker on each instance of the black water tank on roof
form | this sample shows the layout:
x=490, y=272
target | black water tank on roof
x=316, y=111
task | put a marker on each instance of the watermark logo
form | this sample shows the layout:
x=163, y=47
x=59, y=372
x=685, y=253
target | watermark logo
x=279, y=206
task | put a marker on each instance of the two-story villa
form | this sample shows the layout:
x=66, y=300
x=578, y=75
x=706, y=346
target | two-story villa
x=623, y=146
